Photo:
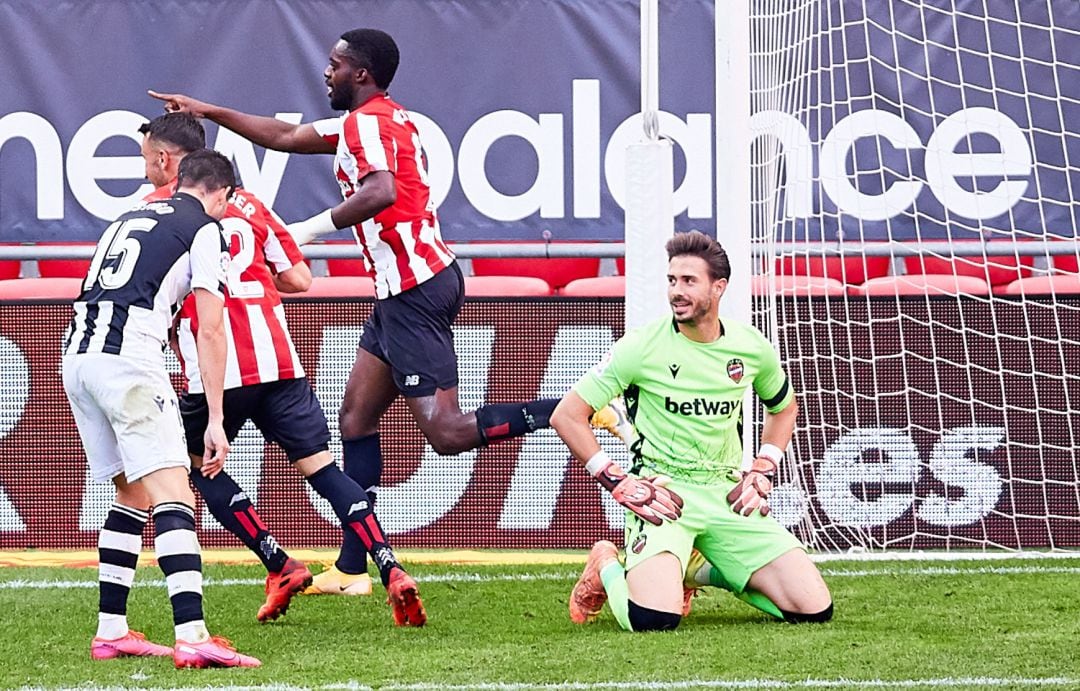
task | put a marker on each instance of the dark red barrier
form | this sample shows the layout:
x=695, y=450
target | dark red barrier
x=923, y=425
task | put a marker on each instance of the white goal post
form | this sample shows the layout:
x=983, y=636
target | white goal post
x=909, y=208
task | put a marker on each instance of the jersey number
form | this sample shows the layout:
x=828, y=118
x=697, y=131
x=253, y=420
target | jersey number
x=121, y=250
x=239, y=231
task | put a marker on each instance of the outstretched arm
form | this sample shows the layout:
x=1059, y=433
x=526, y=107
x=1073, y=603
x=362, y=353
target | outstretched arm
x=645, y=497
x=264, y=131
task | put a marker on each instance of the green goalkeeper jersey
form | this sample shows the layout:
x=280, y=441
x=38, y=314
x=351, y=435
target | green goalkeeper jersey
x=685, y=398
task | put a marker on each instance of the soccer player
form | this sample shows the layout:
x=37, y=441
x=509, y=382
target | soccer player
x=684, y=378
x=126, y=410
x=407, y=347
x=265, y=383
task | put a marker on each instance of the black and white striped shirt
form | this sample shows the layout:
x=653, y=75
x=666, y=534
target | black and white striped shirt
x=145, y=263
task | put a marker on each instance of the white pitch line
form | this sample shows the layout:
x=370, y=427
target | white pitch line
x=24, y=584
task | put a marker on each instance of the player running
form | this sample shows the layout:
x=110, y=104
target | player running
x=684, y=379
x=407, y=347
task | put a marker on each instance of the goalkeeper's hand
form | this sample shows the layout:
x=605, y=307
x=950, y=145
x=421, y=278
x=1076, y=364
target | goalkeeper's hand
x=751, y=492
x=647, y=497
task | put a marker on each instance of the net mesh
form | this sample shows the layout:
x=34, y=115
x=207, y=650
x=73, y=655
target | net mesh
x=914, y=172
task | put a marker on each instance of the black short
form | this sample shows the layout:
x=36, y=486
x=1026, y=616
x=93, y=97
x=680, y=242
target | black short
x=286, y=412
x=411, y=333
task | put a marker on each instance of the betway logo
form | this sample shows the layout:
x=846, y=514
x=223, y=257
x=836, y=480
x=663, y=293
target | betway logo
x=593, y=163
x=701, y=406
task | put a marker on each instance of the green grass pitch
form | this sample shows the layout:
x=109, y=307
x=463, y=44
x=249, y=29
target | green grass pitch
x=959, y=625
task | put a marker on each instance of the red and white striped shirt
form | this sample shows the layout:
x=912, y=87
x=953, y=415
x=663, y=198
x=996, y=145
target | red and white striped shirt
x=260, y=348
x=402, y=245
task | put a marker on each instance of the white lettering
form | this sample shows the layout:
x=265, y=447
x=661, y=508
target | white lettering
x=694, y=137
x=262, y=181
x=48, y=158
x=585, y=114
x=440, y=156
x=541, y=466
x=85, y=167
x=441, y=480
x=797, y=157
x=944, y=165
x=834, y=175
x=16, y=392
x=843, y=467
x=544, y=136
x=949, y=462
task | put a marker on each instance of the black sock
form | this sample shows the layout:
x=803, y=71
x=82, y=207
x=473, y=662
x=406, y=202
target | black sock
x=231, y=507
x=177, y=550
x=500, y=421
x=352, y=506
x=363, y=463
x=119, y=544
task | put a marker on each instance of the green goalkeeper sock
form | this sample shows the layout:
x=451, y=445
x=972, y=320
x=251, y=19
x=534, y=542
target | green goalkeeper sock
x=751, y=597
x=613, y=576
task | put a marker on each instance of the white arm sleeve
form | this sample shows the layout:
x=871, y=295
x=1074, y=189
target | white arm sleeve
x=209, y=260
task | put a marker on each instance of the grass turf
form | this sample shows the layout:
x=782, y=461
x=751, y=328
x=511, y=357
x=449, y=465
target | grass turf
x=901, y=622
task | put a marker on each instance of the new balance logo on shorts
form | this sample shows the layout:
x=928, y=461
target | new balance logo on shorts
x=412, y=380
x=238, y=498
x=358, y=506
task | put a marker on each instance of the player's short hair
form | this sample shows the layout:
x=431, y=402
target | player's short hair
x=182, y=130
x=207, y=169
x=375, y=51
x=698, y=244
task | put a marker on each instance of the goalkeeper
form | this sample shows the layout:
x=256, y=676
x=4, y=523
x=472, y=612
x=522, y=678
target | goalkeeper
x=683, y=379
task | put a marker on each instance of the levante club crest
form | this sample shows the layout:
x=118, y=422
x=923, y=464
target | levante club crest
x=735, y=369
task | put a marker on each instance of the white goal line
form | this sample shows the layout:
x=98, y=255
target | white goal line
x=828, y=572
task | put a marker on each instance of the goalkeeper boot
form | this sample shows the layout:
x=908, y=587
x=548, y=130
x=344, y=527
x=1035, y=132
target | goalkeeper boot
x=134, y=644
x=280, y=588
x=614, y=419
x=334, y=582
x=588, y=596
x=404, y=599
x=691, y=584
x=213, y=652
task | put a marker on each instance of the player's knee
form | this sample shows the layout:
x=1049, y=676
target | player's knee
x=814, y=618
x=646, y=619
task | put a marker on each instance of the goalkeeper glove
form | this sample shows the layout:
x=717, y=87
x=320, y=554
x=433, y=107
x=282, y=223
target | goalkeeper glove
x=646, y=497
x=751, y=491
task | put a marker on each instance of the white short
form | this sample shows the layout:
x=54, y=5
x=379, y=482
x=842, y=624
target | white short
x=127, y=415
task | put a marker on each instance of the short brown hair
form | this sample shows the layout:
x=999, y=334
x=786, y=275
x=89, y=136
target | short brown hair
x=182, y=130
x=698, y=244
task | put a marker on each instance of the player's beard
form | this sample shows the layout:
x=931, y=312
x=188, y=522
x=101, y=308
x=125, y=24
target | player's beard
x=698, y=312
x=341, y=97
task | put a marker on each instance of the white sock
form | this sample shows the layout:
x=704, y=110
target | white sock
x=112, y=626
x=192, y=631
x=702, y=575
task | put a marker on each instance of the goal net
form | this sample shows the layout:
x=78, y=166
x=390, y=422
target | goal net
x=914, y=183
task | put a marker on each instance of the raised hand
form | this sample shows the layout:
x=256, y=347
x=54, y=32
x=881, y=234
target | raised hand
x=179, y=103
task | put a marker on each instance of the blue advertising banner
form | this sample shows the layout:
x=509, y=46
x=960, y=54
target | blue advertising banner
x=521, y=104
x=945, y=118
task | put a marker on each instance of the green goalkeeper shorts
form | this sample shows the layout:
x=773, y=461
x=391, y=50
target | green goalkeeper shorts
x=736, y=545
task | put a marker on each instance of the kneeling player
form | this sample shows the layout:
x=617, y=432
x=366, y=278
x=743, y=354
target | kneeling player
x=684, y=378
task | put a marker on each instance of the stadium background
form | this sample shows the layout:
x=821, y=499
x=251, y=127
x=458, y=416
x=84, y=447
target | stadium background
x=998, y=471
